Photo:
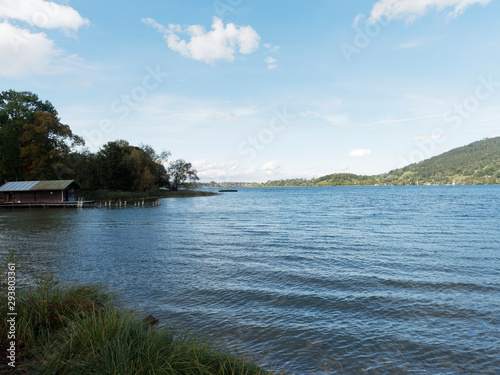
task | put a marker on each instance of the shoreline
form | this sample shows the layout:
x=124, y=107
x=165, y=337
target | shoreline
x=104, y=196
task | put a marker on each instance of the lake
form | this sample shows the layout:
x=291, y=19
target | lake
x=336, y=280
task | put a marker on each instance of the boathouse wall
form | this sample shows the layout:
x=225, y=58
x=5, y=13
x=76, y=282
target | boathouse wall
x=34, y=196
x=67, y=193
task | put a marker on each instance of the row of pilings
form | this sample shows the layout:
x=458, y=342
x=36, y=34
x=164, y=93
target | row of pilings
x=123, y=204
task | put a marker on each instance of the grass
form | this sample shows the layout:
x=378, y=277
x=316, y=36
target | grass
x=106, y=195
x=78, y=330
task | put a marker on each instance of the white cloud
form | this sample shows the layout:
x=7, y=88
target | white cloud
x=230, y=171
x=271, y=61
x=412, y=9
x=155, y=25
x=22, y=51
x=360, y=152
x=234, y=171
x=271, y=48
x=270, y=167
x=218, y=44
x=43, y=14
x=357, y=20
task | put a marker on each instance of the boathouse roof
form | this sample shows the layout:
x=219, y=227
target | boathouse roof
x=37, y=185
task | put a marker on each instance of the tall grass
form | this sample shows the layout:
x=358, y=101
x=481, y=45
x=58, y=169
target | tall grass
x=79, y=331
x=45, y=311
x=112, y=342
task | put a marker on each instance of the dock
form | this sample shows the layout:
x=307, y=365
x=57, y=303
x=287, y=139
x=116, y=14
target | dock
x=74, y=204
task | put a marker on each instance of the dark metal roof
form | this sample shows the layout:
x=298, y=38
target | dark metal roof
x=37, y=185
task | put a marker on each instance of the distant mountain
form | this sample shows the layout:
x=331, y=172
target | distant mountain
x=477, y=163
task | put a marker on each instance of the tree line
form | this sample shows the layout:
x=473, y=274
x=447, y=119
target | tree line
x=35, y=145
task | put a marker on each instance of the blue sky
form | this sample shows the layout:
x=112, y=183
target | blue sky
x=258, y=90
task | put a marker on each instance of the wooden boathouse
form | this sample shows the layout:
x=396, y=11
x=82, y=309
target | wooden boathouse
x=55, y=193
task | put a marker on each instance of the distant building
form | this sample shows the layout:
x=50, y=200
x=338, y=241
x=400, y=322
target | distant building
x=52, y=191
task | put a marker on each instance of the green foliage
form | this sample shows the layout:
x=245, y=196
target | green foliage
x=82, y=167
x=44, y=146
x=338, y=179
x=467, y=164
x=342, y=179
x=45, y=310
x=114, y=342
x=17, y=109
x=121, y=166
x=181, y=174
x=46, y=282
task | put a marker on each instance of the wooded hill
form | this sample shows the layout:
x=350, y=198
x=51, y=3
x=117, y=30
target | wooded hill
x=476, y=163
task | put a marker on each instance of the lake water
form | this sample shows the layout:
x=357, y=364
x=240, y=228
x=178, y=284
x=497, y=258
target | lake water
x=367, y=280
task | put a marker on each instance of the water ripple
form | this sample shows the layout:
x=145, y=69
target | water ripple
x=324, y=280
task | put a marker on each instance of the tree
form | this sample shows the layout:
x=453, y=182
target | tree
x=45, y=143
x=82, y=167
x=17, y=109
x=156, y=164
x=124, y=167
x=181, y=175
x=112, y=171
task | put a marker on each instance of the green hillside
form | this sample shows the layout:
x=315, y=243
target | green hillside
x=470, y=164
x=477, y=163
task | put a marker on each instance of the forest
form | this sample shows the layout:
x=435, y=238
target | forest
x=35, y=145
